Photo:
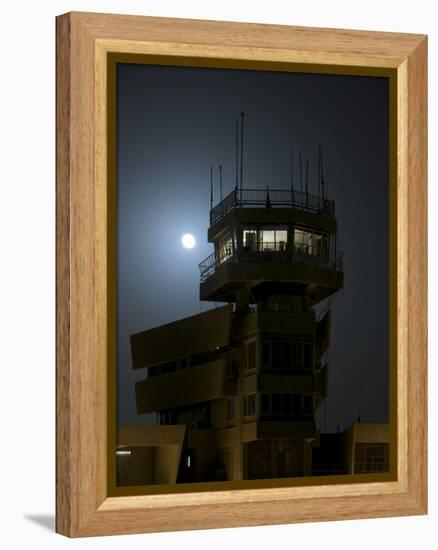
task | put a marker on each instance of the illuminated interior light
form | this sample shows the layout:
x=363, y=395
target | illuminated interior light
x=123, y=452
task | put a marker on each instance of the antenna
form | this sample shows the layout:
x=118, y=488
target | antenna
x=322, y=174
x=292, y=173
x=268, y=199
x=220, y=181
x=242, y=120
x=301, y=174
x=307, y=183
x=211, y=187
x=360, y=400
x=237, y=153
x=319, y=171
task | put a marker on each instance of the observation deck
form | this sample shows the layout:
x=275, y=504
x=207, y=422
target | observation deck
x=266, y=238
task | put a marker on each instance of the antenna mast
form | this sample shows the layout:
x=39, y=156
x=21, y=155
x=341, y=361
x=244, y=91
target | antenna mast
x=237, y=153
x=220, y=181
x=292, y=173
x=242, y=121
x=307, y=183
x=211, y=187
x=319, y=171
x=322, y=175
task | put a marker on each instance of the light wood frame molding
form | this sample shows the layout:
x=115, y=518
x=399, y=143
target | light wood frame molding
x=84, y=41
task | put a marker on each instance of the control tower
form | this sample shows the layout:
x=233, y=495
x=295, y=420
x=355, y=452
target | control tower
x=245, y=379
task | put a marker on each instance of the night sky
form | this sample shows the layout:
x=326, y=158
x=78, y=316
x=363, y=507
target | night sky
x=172, y=124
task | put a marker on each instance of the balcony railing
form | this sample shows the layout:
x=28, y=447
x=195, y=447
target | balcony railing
x=272, y=252
x=274, y=198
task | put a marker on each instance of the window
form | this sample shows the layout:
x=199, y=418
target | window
x=287, y=404
x=250, y=239
x=287, y=351
x=307, y=405
x=296, y=404
x=371, y=458
x=266, y=355
x=265, y=238
x=296, y=355
x=230, y=411
x=281, y=239
x=302, y=352
x=225, y=248
x=251, y=355
x=276, y=354
x=249, y=405
x=265, y=404
x=307, y=356
x=273, y=238
x=276, y=404
x=310, y=242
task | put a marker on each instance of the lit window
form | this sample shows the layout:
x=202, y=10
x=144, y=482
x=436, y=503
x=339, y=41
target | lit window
x=267, y=239
x=250, y=239
x=273, y=239
x=310, y=242
x=225, y=248
x=281, y=239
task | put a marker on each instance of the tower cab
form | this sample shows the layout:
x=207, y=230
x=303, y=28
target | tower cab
x=273, y=238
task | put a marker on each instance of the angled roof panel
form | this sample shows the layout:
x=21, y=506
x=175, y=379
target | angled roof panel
x=196, y=334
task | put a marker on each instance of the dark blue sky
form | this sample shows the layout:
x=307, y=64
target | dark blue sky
x=172, y=124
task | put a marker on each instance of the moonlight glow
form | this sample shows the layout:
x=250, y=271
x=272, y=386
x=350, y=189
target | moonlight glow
x=188, y=240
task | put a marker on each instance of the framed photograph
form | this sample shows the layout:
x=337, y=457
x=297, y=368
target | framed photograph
x=241, y=274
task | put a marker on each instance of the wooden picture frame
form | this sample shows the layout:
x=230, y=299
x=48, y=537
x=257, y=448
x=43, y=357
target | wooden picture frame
x=85, y=43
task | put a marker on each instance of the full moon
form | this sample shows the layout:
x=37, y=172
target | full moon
x=188, y=240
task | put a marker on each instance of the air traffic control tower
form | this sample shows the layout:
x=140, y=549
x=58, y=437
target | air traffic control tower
x=246, y=378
